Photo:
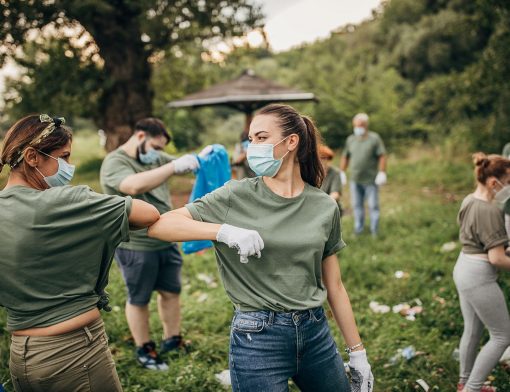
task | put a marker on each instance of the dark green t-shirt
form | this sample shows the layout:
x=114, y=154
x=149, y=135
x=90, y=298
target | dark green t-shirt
x=363, y=153
x=332, y=182
x=56, y=248
x=482, y=226
x=116, y=166
x=298, y=234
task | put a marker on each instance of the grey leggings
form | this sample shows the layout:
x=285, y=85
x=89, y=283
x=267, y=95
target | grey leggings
x=482, y=304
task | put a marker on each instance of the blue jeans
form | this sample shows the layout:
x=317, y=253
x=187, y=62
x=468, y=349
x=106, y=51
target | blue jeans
x=358, y=194
x=267, y=348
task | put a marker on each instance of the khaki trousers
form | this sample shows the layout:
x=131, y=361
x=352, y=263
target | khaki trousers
x=78, y=361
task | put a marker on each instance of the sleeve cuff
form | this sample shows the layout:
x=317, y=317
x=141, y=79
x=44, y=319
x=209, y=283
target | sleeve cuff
x=125, y=225
x=497, y=242
x=194, y=212
x=338, y=246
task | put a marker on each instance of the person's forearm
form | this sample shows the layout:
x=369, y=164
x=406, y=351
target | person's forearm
x=382, y=163
x=342, y=312
x=497, y=257
x=344, y=162
x=176, y=227
x=139, y=183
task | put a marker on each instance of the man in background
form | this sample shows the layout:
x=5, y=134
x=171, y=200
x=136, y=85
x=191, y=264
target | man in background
x=141, y=169
x=365, y=154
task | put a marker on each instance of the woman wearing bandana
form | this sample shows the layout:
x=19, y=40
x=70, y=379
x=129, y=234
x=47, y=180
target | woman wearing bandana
x=483, y=238
x=281, y=267
x=57, y=244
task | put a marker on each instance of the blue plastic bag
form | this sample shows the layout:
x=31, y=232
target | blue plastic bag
x=213, y=173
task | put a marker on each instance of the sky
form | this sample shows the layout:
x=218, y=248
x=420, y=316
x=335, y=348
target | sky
x=292, y=22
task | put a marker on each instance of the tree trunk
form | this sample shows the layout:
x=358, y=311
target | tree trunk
x=127, y=95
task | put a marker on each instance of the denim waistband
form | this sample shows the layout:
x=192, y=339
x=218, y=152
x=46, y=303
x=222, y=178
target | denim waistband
x=286, y=318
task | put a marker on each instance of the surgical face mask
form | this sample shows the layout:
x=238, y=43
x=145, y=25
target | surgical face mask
x=359, y=131
x=502, y=197
x=149, y=157
x=62, y=177
x=261, y=159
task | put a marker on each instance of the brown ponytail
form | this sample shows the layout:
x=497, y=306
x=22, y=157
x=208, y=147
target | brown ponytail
x=291, y=122
x=490, y=166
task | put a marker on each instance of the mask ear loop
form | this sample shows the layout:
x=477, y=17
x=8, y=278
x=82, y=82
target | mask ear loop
x=48, y=155
x=42, y=175
x=274, y=145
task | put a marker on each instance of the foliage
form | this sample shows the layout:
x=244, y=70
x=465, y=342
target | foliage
x=428, y=70
x=120, y=38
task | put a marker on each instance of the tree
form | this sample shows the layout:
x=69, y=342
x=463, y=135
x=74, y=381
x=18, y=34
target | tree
x=122, y=38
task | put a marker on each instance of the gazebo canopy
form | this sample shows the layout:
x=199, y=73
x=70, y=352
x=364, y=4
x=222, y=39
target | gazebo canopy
x=246, y=93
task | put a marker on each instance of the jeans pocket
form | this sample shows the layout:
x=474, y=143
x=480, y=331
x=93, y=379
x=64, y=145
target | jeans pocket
x=247, y=323
x=318, y=315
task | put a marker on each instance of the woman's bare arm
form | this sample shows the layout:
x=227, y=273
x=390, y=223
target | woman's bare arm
x=339, y=301
x=178, y=226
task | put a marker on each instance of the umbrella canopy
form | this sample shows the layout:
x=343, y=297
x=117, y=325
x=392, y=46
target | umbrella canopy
x=247, y=93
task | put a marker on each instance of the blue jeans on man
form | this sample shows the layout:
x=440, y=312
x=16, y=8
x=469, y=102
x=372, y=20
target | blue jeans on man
x=360, y=192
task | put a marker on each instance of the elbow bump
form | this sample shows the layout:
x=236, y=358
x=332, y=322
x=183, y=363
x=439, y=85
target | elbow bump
x=153, y=216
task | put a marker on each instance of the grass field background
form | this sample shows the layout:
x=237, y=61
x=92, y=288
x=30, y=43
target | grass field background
x=418, y=216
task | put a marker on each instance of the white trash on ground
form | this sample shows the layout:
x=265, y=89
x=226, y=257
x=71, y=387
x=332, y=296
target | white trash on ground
x=224, y=378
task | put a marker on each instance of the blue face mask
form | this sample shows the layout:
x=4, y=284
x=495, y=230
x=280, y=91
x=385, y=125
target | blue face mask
x=149, y=157
x=261, y=159
x=359, y=131
x=62, y=177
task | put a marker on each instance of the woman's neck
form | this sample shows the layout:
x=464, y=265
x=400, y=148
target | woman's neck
x=482, y=193
x=16, y=179
x=287, y=182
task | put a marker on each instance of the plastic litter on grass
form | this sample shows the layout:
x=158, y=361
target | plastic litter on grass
x=224, y=378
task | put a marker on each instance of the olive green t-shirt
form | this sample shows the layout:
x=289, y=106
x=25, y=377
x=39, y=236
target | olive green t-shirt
x=482, y=226
x=56, y=248
x=332, y=182
x=116, y=166
x=363, y=153
x=298, y=234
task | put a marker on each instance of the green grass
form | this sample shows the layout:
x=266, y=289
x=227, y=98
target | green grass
x=419, y=207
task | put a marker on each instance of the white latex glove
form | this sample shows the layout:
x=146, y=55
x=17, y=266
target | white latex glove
x=343, y=178
x=247, y=242
x=362, y=379
x=185, y=164
x=205, y=151
x=381, y=178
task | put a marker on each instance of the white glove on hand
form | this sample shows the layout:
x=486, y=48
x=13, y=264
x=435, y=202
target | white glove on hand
x=381, y=178
x=343, y=178
x=362, y=379
x=185, y=164
x=247, y=242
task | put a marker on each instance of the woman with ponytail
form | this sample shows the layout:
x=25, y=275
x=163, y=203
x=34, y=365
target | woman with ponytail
x=56, y=246
x=483, y=238
x=279, y=330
